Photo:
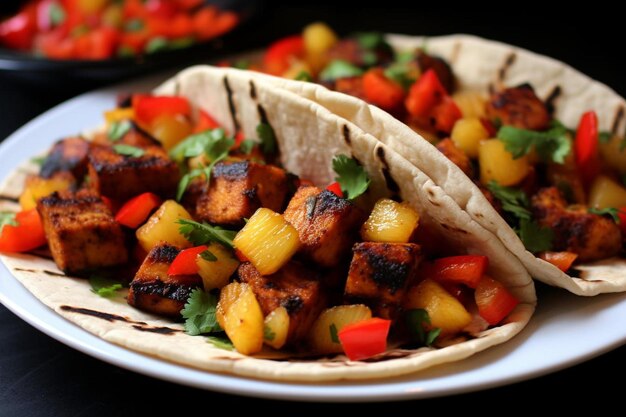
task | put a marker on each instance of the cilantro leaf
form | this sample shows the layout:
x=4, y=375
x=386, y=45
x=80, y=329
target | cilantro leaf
x=351, y=176
x=609, y=211
x=195, y=145
x=134, y=25
x=551, y=145
x=202, y=233
x=242, y=64
x=247, y=146
x=221, y=342
x=268, y=333
x=417, y=322
x=268, y=139
x=128, y=150
x=513, y=200
x=370, y=40
x=535, y=237
x=199, y=313
x=339, y=68
x=334, y=336
x=304, y=76
x=401, y=74
x=7, y=218
x=103, y=286
x=157, y=44
x=207, y=255
x=117, y=130
x=605, y=137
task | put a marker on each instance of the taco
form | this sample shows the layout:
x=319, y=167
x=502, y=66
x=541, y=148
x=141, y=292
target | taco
x=530, y=148
x=295, y=293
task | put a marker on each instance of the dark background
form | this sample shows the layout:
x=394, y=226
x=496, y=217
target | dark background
x=39, y=376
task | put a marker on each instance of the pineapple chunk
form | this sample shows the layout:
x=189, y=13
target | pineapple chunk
x=162, y=226
x=467, y=134
x=216, y=272
x=239, y=314
x=445, y=311
x=471, y=103
x=37, y=187
x=390, y=222
x=276, y=328
x=267, y=240
x=340, y=316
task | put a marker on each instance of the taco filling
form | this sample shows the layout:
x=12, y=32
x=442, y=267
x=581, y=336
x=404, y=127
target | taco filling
x=208, y=228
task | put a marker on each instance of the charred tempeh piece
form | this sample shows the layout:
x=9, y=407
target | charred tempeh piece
x=238, y=189
x=456, y=155
x=326, y=224
x=154, y=290
x=121, y=177
x=67, y=155
x=379, y=274
x=81, y=231
x=294, y=287
x=519, y=107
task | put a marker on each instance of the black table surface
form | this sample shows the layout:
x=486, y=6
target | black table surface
x=40, y=376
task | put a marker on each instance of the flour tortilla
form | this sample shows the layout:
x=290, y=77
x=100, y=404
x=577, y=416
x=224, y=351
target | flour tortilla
x=308, y=136
x=481, y=65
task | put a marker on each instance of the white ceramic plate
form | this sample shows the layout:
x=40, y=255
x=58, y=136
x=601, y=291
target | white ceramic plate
x=554, y=339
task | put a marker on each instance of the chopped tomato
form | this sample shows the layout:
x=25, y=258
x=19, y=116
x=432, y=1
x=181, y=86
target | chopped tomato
x=19, y=31
x=382, y=91
x=27, y=235
x=465, y=269
x=494, y=301
x=136, y=210
x=586, y=146
x=279, y=55
x=562, y=260
x=185, y=262
x=364, y=339
x=336, y=189
x=148, y=108
x=205, y=122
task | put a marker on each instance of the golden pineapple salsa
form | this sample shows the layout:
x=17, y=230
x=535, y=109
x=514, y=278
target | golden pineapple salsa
x=215, y=233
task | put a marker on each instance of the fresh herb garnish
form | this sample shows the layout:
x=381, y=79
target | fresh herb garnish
x=202, y=233
x=156, y=44
x=207, y=255
x=134, y=25
x=513, y=201
x=128, y=150
x=535, y=237
x=180, y=43
x=125, y=51
x=339, y=68
x=334, y=336
x=247, y=146
x=605, y=137
x=39, y=160
x=268, y=333
x=351, y=176
x=401, y=74
x=304, y=76
x=417, y=322
x=552, y=145
x=103, y=286
x=268, y=139
x=370, y=40
x=199, y=313
x=7, y=218
x=609, y=211
x=57, y=14
x=221, y=342
x=242, y=64
x=117, y=130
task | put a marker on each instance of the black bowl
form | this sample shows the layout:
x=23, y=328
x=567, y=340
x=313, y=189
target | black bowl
x=31, y=68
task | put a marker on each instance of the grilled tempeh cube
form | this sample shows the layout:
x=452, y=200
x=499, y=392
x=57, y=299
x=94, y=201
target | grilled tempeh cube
x=379, y=274
x=67, y=155
x=81, y=231
x=326, y=224
x=294, y=287
x=154, y=290
x=121, y=177
x=238, y=189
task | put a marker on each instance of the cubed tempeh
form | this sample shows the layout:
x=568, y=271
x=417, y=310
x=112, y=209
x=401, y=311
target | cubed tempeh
x=326, y=224
x=67, y=155
x=154, y=290
x=379, y=274
x=238, y=189
x=81, y=231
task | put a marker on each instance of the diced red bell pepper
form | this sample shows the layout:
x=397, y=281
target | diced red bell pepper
x=364, y=339
x=18, y=32
x=494, y=301
x=562, y=260
x=27, y=235
x=189, y=4
x=136, y=210
x=96, y=44
x=178, y=26
x=424, y=94
x=464, y=269
x=335, y=188
x=586, y=146
x=239, y=137
x=185, y=262
x=381, y=91
x=148, y=108
x=446, y=114
x=53, y=45
x=205, y=122
x=278, y=56
x=164, y=9
x=134, y=9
